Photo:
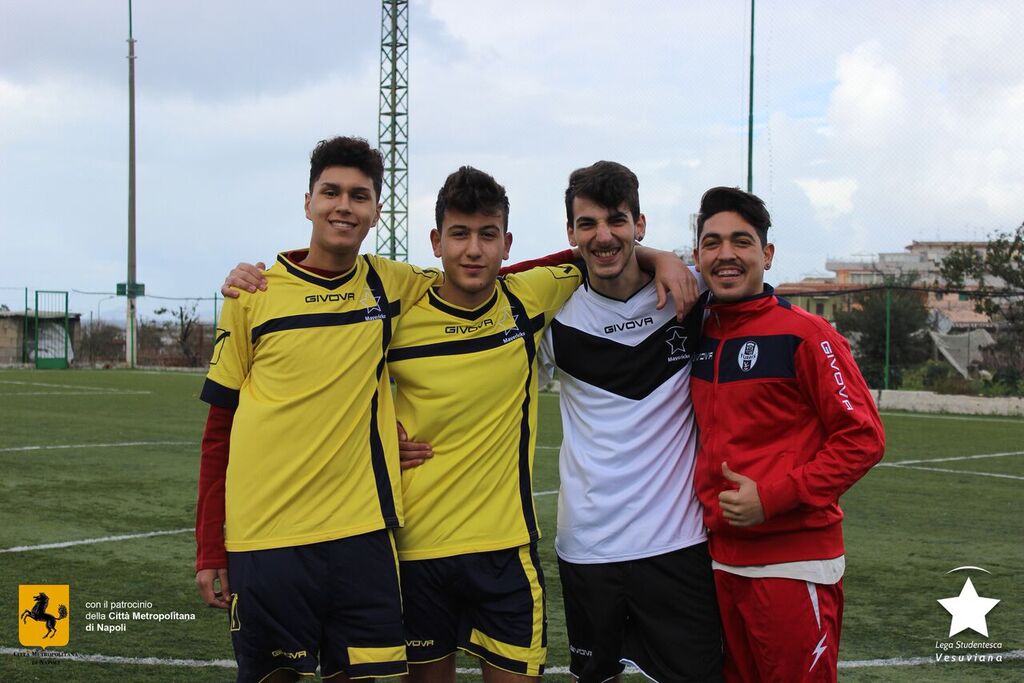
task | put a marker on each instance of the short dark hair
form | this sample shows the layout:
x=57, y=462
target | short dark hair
x=347, y=151
x=607, y=183
x=470, y=190
x=749, y=206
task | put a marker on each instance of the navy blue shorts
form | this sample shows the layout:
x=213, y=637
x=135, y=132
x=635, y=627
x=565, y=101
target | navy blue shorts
x=658, y=612
x=488, y=604
x=336, y=603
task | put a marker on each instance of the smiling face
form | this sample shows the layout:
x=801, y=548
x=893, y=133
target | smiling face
x=731, y=257
x=343, y=207
x=471, y=247
x=605, y=238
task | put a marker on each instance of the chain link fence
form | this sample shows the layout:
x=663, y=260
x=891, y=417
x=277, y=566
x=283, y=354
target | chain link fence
x=923, y=338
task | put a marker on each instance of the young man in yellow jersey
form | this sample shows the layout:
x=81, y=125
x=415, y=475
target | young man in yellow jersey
x=464, y=360
x=299, y=477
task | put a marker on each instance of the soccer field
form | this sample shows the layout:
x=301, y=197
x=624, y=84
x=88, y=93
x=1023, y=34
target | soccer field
x=98, y=492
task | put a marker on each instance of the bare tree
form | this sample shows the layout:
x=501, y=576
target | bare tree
x=185, y=321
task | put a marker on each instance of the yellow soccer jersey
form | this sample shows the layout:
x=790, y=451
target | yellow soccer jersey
x=314, y=452
x=467, y=384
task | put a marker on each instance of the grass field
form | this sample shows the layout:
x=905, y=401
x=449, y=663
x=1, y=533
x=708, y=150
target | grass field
x=89, y=455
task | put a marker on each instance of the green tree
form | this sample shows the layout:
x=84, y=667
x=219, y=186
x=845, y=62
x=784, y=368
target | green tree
x=865, y=325
x=995, y=281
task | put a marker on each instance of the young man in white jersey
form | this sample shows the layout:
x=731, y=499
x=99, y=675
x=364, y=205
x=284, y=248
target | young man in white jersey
x=633, y=560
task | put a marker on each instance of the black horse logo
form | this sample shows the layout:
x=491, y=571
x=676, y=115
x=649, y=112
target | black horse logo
x=38, y=613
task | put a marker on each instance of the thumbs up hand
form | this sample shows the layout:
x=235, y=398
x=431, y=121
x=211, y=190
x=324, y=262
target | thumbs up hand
x=741, y=507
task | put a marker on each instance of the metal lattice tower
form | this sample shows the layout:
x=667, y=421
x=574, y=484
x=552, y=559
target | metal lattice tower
x=393, y=130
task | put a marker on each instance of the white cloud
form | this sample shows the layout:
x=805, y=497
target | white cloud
x=869, y=102
x=830, y=199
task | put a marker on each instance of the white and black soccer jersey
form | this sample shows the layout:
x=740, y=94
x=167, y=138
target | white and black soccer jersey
x=629, y=438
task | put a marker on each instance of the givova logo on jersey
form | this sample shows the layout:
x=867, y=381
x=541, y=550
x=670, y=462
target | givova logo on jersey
x=44, y=620
x=628, y=325
x=466, y=329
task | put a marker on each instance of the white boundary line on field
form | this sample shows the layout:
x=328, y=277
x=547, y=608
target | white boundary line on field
x=942, y=469
x=148, y=534
x=88, y=391
x=903, y=463
x=120, y=444
x=60, y=655
x=75, y=393
x=1009, y=419
x=918, y=465
x=89, y=541
x=916, y=661
x=59, y=386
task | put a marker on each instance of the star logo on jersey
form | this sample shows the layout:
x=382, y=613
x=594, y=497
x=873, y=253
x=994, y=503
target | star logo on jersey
x=676, y=341
x=508, y=321
x=748, y=356
x=968, y=610
x=371, y=302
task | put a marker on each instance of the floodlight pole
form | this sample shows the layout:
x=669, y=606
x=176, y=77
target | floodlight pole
x=130, y=341
x=750, y=110
x=393, y=130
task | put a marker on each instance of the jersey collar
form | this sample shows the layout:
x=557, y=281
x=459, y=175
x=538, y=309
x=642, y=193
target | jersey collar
x=331, y=283
x=440, y=304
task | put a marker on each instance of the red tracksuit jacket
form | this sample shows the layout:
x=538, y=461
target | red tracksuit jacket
x=778, y=396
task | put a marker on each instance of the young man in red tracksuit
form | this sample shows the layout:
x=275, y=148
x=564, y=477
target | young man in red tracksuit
x=787, y=425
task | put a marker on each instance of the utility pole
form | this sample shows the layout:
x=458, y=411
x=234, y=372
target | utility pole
x=130, y=341
x=750, y=110
x=393, y=130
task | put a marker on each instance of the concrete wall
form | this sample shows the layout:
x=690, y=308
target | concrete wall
x=930, y=402
x=10, y=339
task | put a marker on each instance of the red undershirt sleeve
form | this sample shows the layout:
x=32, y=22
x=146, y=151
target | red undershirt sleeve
x=213, y=467
x=556, y=259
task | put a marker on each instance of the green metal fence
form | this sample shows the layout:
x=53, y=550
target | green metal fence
x=52, y=347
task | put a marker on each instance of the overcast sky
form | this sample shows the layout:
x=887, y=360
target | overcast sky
x=876, y=123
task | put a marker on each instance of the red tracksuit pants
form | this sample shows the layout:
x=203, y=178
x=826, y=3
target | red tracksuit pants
x=779, y=630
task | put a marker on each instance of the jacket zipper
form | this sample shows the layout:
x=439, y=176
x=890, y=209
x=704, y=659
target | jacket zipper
x=714, y=395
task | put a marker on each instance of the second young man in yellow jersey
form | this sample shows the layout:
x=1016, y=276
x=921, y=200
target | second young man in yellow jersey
x=464, y=361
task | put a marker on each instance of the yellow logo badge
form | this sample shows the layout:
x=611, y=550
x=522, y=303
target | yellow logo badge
x=44, y=615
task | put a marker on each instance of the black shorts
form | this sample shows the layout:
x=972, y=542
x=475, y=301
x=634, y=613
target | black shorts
x=658, y=612
x=337, y=603
x=489, y=604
